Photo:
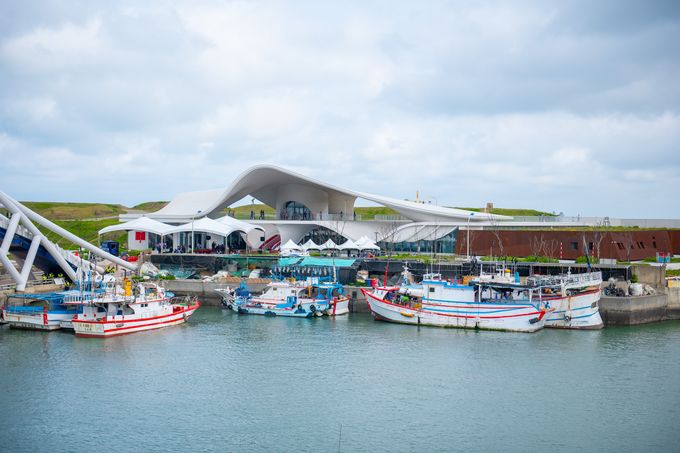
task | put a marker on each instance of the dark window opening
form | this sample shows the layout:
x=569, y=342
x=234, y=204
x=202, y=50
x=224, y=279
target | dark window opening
x=574, y=245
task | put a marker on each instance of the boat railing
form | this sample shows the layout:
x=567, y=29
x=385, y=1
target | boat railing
x=184, y=300
x=568, y=279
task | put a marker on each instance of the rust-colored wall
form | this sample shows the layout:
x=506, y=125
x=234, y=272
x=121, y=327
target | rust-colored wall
x=675, y=241
x=622, y=245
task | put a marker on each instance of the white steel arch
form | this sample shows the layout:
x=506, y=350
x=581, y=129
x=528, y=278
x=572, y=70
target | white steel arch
x=21, y=221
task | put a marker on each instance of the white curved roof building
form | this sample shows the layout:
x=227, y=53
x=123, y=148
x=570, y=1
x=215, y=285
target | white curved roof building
x=304, y=205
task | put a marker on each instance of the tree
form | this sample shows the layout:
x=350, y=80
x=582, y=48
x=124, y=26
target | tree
x=628, y=244
x=537, y=245
x=497, y=235
x=599, y=233
x=550, y=248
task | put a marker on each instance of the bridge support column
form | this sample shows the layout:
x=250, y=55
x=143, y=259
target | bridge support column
x=9, y=234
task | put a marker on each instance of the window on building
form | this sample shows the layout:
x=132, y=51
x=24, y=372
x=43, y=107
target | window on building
x=574, y=245
x=654, y=244
x=294, y=210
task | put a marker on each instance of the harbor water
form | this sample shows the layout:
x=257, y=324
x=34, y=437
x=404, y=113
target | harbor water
x=224, y=382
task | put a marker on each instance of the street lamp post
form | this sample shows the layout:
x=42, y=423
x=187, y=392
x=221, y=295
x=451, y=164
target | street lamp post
x=468, y=234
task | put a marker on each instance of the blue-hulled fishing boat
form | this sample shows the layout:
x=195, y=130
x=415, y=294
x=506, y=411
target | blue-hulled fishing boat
x=47, y=311
x=299, y=299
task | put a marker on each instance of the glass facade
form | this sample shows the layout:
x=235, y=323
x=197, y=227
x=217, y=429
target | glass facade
x=321, y=235
x=446, y=244
x=294, y=210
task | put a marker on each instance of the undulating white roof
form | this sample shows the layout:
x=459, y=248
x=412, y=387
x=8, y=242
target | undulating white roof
x=263, y=181
x=190, y=204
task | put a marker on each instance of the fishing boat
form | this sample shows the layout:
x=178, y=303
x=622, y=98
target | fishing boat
x=486, y=305
x=575, y=299
x=44, y=311
x=123, y=310
x=299, y=299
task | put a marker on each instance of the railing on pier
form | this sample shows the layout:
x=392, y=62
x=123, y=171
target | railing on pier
x=312, y=217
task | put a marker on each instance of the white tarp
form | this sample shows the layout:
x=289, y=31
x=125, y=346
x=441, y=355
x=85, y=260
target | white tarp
x=140, y=224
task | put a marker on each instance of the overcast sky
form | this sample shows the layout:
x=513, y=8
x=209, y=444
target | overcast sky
x=566, y=106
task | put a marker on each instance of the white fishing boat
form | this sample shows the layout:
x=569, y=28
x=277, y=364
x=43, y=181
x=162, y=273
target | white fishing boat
x=122, y=310
x=45, y=311
x=451, y=304
x=575, y=300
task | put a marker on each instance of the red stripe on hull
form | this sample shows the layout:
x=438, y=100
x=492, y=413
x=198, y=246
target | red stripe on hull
x=401, y=307
x=100, y=321
x=118, y=331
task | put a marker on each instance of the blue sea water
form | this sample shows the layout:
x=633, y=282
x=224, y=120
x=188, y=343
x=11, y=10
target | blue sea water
x=224, y=382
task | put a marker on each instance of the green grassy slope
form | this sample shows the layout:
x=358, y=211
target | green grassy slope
x=150, y=206
x=71, y=211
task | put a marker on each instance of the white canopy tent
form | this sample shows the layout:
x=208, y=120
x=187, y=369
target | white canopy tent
x=140, y=224
x=252, y=234
x=329, y=245
x=291, y=248
x=310, y=245
x=348, y=245
x=205, y=225
x=365, y=243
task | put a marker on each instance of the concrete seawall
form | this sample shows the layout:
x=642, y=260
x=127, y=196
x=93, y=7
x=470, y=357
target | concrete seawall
x=673, y=307
x=205, y=291
x=628, y=311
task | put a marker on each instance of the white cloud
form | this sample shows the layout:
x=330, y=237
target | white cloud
x=543, y=106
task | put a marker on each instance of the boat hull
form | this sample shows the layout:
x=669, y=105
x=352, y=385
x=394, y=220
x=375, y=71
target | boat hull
x=249, y=310
x=109, y=328
x=36, y=320
x=516, y=317
x=339, y=307
x=576, y=312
